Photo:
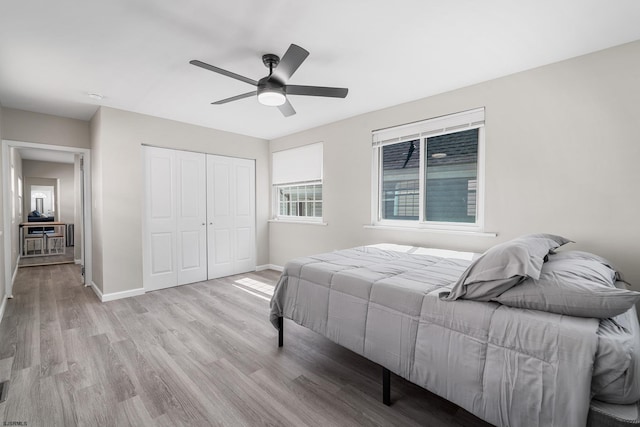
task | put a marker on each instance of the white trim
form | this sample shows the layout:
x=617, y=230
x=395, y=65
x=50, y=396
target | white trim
x=96, y=290
x=432, y=230
x=3, y=306
x=269, y=267
x=116, y=295
x=13, y=276
x=87, y=235
x=298, y=221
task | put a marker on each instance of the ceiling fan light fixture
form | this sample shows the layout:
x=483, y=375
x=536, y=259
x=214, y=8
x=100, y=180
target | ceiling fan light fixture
x=272, y=98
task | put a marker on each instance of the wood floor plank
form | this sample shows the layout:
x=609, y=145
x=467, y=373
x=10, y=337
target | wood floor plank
x=186, y=404
x=153, y=392
x=112, y=374
x=94, y=407
x=28, y=334
x=56, y=406
x=52, y=355
x=195, y=355
x=8, y=337
x=81, y=372
x=132, y=413
x=24, y=391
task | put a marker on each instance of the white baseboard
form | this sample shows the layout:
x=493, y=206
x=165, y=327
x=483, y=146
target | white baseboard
x=269, y=267
x=77, y=261
x=15, y=272
x=115, y=295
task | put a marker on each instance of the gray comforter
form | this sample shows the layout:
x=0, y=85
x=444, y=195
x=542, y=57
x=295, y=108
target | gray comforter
x=510, y=367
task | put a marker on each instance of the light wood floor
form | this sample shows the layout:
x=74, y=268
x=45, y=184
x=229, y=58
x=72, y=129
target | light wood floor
x=195, y=355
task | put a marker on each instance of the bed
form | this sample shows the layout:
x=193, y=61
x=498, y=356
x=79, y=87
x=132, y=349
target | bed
x=402, y=308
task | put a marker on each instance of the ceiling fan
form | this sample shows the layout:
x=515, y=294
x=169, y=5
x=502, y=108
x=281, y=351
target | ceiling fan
x=273, y=89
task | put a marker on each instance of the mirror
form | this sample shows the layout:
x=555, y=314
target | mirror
x=41, y=195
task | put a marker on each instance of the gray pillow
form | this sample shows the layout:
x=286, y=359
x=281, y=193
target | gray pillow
x=504, y=266
x=575, y=284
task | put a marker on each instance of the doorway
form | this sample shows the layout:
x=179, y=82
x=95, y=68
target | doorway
x=18, y=209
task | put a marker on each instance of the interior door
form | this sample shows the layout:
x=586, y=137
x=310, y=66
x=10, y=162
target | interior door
x=230, y=215
x=191, y=217
x=159, y=252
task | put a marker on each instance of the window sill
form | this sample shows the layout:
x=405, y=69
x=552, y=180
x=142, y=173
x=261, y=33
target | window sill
x=293, y=221
x=432, y=230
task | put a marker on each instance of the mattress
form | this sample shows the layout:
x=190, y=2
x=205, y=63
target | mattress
x=617, y=361
x=508, y=366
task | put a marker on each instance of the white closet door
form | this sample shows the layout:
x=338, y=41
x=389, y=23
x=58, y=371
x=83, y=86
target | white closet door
x=230, y=215
x=175, y=248
x=245, y=216
x=191, y=217
x=159, y=253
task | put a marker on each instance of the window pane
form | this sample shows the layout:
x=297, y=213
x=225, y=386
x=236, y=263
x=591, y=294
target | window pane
x=400, y=175
x=300, y=200
x=451, y=177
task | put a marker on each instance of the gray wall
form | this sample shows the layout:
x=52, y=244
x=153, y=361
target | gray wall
x=116, y=143
x=561, y=157
x=26, y=126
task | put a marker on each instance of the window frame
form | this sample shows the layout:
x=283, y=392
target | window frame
x=300, y=166
x=296, y=218
x=417, y=131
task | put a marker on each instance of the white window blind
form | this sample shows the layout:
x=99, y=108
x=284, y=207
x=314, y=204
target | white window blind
x=297, y=165
x=444, y=124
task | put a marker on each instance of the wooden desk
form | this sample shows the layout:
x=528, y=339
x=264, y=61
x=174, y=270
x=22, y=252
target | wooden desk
x=59, y=230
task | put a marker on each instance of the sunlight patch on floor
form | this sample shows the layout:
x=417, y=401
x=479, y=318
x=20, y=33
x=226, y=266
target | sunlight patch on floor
x=255, y=288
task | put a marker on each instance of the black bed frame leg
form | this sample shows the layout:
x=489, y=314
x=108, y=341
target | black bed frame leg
x=280, y=331
x=386, y=386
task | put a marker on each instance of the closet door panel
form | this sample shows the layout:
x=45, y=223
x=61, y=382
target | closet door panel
x=192, y=216
x=220, y=197
x=244, y=218
x=159, y=230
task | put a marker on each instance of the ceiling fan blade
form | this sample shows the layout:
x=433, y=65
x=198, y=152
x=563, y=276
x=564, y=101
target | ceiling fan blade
x=235, y=98
x=332, y=92
x=286, y=109
x=293, y=57
x=223, y=72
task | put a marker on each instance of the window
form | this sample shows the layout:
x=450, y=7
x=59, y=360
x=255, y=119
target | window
x=297, y=183
x=429, y=174
x=300, y=200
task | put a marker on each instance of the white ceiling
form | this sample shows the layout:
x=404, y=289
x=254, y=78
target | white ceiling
x=136, y=52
